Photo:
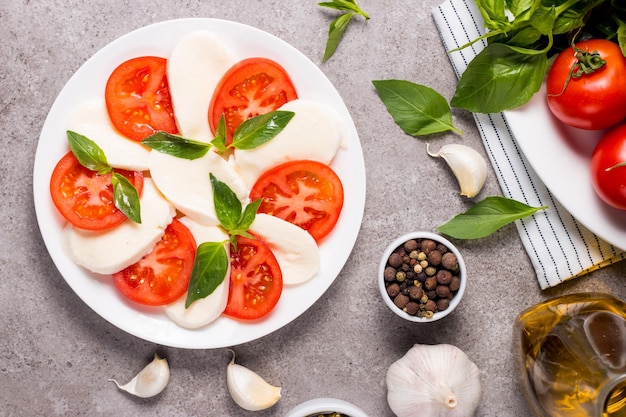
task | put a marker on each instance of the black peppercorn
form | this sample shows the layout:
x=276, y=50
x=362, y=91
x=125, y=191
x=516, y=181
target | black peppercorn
x=393, y=290
x=395, y=260
x=421, y=277
x=416, y=293
x=401, y=300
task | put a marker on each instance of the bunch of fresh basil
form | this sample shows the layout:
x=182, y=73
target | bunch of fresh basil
x=522, y=36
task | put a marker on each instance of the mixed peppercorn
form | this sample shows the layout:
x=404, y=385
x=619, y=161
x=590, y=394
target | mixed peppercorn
x=422, y=277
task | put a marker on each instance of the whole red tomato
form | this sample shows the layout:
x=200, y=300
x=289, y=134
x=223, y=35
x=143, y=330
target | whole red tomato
x=586, y=85
x=607, y=176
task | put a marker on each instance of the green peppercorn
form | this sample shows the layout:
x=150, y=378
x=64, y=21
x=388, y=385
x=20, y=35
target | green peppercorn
x=400, y=276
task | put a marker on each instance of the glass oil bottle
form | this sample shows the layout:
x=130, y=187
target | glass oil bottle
x=570, y=355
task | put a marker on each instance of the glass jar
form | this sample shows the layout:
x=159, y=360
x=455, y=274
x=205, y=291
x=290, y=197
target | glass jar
x=570, y=356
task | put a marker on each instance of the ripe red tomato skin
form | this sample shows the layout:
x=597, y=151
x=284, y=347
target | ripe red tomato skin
x=157, y=290
x=137, y=98
x=278, y=92
x=611, y=150
x=593, y=101
x=67, y=172
x=244, y=280
x=275, y=187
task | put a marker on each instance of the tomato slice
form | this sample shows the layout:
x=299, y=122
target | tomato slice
x=162, y=276
x=306, y=193
x=138, y=98
x=256, y=281
x=84, y=197
x=249, y=88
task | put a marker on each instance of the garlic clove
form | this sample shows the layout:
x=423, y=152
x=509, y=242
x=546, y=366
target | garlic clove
x=468, y=166
x=248, y=389
x=150, y=381
x=433, y=381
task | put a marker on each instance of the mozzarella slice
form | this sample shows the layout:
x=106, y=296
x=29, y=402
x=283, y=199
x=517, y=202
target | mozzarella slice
x=206, y=310
x=187, y=185
x=295, y=249
x=92, y=121
x=194, y=69
x=113, y=250
x=316, y=132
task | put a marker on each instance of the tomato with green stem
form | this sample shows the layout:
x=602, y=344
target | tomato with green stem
x=586, y=85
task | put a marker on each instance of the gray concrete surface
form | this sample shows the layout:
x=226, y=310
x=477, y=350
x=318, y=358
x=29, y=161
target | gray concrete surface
x=56, y=354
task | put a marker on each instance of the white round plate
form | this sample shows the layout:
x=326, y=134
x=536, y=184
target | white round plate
x=98, y=292
x=561, y=155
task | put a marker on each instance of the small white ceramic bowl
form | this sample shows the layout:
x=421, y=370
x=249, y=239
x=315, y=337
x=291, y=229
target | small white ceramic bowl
x=454, y=302
x=326, y=405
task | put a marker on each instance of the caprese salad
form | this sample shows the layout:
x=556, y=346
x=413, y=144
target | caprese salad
x=199, y=183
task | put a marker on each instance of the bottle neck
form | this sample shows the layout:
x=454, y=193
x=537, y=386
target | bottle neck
x=612, y=398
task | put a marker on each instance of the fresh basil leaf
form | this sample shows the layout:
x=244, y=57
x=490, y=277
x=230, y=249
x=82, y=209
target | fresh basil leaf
x=621, y=36
x=486, y=217
x=126, y=197
x=227, y=205
x=344, y=5
x=493, y=13
x=526, y=37
x=249, y=214
x=522, y=10
x=417, y=109
x=88, y=153
x=260, y=129
x=568, y=22
x=499, y=78
x=176, y=145
x=209, y=271
x=544, y=20
x=335, y=32
x=220, y=135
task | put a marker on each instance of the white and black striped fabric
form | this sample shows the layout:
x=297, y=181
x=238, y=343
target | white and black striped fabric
x=559, y=247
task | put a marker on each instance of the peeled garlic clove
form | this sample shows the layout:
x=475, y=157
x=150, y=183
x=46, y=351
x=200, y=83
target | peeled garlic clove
x=150, y=381
x=433, y=381
x=468, y=166
x=248, y=389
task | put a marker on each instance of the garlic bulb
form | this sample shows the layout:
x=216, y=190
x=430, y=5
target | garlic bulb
x=150, y=381
x=468, y=166
x=433, y=381
x=248, y=389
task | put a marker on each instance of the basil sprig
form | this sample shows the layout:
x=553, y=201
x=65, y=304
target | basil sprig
x=211, y=263
x=338, y=25
x=486, y=217
x=522, y=37
x=91, y=156
x=417, y=109
x=251, y=133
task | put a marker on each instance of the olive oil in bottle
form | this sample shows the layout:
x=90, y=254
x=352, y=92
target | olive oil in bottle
x=571, y=356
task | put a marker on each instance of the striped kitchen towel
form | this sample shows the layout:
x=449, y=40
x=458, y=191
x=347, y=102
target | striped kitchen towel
x=559, y=247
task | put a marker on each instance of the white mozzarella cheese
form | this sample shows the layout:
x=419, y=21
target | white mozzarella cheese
x=194, y=69
x=206, y=310
x=186, y=183
x=316, y=132
x=113, y=250
x=92, y=121
x=295, y=249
